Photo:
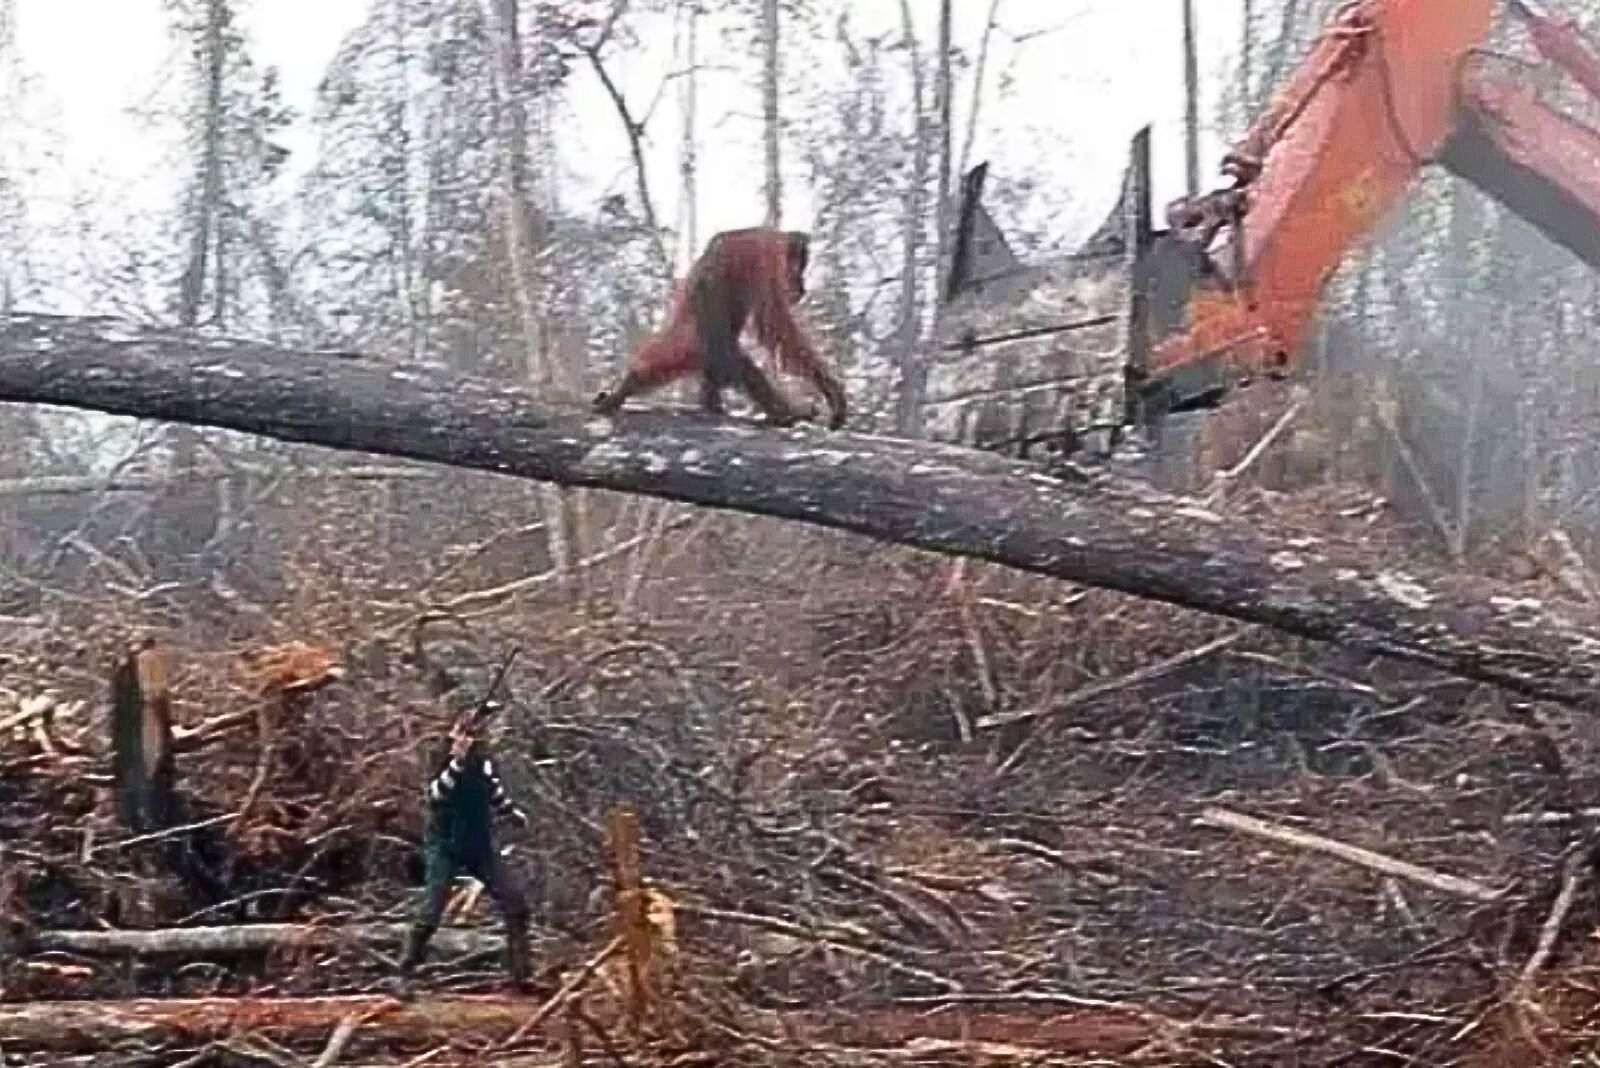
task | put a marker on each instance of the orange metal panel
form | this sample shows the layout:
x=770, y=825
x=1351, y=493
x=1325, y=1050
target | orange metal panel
x=1336, y=152
x=1543, y=165
x=1562, y=43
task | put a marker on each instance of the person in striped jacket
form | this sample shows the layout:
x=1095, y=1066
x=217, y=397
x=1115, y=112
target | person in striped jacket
x=460, y=803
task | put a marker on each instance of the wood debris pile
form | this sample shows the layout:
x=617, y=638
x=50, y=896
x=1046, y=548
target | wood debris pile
x=1082, y=830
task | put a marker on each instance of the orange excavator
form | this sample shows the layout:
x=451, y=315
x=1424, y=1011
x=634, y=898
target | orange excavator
x=1228, y=291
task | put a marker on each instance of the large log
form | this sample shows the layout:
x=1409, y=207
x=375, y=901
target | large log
x=79, y=1026
x=952, y=500
x=85, y=1026
x=255, y=938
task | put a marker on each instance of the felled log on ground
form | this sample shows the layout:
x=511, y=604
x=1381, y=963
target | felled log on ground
x=447, y=1059
x=1101, y=532
x=86, y=1026
x=82, y=1026
x=242, y=938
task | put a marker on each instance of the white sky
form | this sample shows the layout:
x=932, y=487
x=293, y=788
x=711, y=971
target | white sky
x=1091, y=74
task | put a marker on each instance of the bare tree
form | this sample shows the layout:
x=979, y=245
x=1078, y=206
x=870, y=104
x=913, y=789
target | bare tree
x=913, y=374
x=207, y=204
x=12, y=209
x=978, y=71
x=943, y=90
x=632, y=125
x=1191, y=101
x=655, y=517
x=523, y=239
x=688, y=161
x=1284, y=47
x=19, y=428
x=233, y=119
x=769, y=107
x=521, y=234
x=1247, y=18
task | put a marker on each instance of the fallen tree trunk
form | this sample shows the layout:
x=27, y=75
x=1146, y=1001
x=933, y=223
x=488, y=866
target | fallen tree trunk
x=1100, y=533
x=85, y=1026
x=80, y=1026
x=254, y=938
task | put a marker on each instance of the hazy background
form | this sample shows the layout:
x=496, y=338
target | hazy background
x=1078, y=78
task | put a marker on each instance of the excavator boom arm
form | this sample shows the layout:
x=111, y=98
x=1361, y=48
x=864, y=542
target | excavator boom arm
x=1228, y=290
x=1391, y=86
x=1334, y=154
x=1543, y=165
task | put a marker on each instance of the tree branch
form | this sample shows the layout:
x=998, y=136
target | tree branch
x=72, y=485
x=1471, y=889
x=1098, y=532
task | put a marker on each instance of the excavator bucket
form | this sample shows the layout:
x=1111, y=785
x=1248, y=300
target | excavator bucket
x=1164, y=273
x=1154, y=275
x=1032, y=355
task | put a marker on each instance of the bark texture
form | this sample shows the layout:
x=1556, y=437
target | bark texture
x=190, y=942
x=1098, y=532
x=78, y=1026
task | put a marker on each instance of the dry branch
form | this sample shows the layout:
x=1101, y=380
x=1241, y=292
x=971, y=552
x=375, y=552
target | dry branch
x=1572, y=873
x=341, y=1038
x=1219, y=484
x=71, y=485
x=1366, y=858
x=1099, y=532
x=1097, y=690
x=833, y=935
x=35, y=707
x=1548, y=817
x=562, y=996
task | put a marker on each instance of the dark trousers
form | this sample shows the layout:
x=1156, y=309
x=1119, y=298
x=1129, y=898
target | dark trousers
x=504, y=886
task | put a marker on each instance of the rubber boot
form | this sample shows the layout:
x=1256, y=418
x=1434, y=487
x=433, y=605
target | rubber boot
x=517, y=956
x=416, y=948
